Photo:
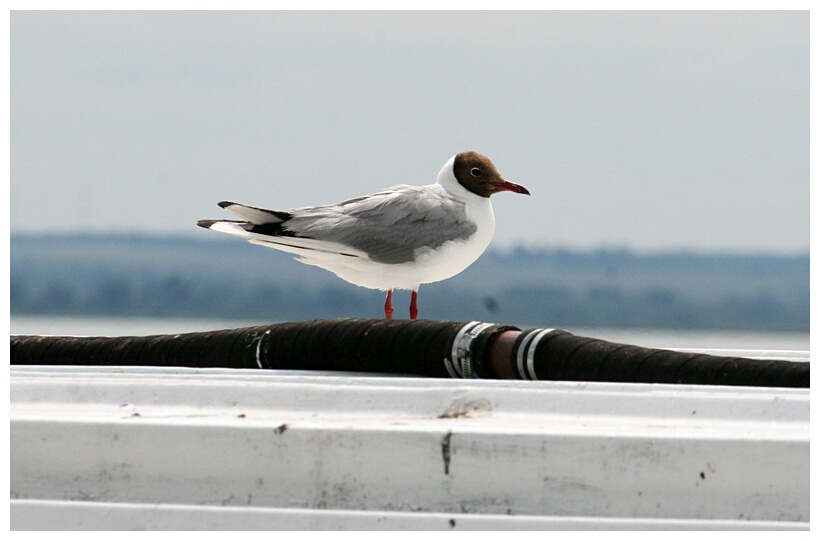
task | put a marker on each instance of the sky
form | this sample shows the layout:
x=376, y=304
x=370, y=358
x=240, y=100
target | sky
x=650, y=131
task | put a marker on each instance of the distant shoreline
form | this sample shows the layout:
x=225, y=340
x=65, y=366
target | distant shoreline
x=147, y=276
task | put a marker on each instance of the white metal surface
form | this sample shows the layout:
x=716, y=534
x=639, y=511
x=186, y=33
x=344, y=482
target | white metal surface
x=187, y=449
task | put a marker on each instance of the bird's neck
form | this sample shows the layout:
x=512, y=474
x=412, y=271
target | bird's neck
x=447, y=180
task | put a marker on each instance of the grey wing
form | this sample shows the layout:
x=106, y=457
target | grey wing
x=390, y=226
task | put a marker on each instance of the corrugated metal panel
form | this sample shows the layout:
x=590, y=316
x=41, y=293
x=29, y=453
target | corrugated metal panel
x=188, y=449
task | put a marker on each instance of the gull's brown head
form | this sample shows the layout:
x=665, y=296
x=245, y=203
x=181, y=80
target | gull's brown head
x=477, y=173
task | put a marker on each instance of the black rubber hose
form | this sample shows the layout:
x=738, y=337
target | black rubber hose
x=359, y=345
x=420, y=347
x=547, y=354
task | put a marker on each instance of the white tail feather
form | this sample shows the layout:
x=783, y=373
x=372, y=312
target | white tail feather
x=254, y=215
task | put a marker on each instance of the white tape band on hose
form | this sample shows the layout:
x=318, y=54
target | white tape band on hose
x=531, y=352
x=259, y=349
x=520, y=356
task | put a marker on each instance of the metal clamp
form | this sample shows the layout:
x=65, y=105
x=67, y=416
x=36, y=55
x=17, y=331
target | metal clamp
x=459, y=364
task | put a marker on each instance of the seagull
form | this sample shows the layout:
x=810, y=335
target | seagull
x=398, y=238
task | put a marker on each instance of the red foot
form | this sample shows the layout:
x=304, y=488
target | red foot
x=388, y=305
x=414, y=310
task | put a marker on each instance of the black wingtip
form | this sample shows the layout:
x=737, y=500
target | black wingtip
x=206, y=223
x=226, y=204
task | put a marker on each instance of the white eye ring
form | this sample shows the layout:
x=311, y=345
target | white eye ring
x=475, y=171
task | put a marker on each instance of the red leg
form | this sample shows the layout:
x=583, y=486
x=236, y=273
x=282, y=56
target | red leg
x=388, y=305
x=414, y=310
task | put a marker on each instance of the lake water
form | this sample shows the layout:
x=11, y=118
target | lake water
x=659, y=338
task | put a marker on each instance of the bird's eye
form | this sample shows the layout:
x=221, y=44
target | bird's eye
x=475, y=171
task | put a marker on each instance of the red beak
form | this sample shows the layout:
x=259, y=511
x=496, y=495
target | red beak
x=508, y=186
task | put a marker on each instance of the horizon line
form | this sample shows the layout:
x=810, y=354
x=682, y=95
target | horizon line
x=519, y=246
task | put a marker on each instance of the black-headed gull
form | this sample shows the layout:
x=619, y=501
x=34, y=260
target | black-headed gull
x=398, y=238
